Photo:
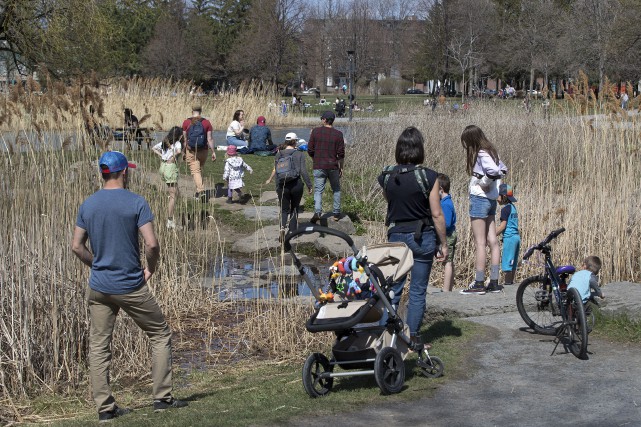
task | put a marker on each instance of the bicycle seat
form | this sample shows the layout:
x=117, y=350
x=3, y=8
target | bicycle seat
x=565, y=269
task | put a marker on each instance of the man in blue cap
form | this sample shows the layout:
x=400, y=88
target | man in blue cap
x=111, y=219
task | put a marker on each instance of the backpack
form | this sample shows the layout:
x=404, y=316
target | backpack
x=196, y=137
x=419, y=173
x=285, y=170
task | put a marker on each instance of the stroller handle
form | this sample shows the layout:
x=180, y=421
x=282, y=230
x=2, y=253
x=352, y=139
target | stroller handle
x=310, y=229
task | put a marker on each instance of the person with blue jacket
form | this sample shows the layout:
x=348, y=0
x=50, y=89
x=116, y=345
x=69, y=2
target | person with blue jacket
x=450, y=230
x=509, y=228
x=586, y=281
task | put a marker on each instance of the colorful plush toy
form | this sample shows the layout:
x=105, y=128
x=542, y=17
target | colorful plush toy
x=325, y=296
x=353, y=288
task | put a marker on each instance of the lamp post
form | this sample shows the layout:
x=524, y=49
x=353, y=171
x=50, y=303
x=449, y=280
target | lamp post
x=350, y=54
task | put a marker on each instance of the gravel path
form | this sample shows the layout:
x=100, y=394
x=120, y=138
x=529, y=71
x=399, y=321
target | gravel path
x=514, y=381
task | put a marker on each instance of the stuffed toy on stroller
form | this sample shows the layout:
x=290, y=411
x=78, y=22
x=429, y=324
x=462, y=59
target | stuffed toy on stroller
x=351, y=305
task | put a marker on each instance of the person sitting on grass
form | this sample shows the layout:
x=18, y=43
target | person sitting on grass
x=586, y=281
x=509, y=228
x=234, y=172
x=260, y=136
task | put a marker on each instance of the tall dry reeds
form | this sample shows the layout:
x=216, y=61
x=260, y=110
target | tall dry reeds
x=158, y=104
x=43, y=311
x=567, y=171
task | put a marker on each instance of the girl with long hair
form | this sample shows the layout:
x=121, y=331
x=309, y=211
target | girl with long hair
x=485, y=170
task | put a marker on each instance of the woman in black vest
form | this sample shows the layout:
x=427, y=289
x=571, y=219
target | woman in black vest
x=414, y=217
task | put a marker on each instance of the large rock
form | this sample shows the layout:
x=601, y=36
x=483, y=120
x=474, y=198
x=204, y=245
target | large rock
x=336, y=247
x=622, y=297
x=272, y=197
x=268, y=197
x=266, y=239
x=345, y=224
x=264, y=213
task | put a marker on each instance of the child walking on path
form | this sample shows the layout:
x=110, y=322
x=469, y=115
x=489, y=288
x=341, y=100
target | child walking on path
x=585, y=280
x=509, y=228
x=485, y=170
x=234, y=172
x=168, y=150
x=450, y=230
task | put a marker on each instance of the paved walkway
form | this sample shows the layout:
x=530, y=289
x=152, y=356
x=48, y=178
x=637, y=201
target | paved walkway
x=514, y=381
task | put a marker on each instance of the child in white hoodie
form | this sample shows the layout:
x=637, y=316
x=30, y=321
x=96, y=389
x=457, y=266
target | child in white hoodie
x=234, y=172
x=486, y=170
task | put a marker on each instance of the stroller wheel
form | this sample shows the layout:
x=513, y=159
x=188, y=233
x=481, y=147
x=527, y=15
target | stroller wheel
x=315, y=379
x=389, y=370
x=431, y=367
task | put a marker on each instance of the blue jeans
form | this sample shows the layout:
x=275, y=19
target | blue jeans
x=232, y=140
x=423, y=252
x=320, y=178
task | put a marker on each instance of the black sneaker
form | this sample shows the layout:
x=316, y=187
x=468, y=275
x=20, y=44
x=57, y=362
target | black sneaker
x=336, y=217
x=475, y=288
x=161, y=405
x=229, y=200
x=494, y=287
x=315, y=218
x=110, y=415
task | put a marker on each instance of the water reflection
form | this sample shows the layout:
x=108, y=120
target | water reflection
x=232, y=279
x=267, y=292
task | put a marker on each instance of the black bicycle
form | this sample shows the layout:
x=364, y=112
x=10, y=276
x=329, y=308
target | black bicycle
x=549, y=307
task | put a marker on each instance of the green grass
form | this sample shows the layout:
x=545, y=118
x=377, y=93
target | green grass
x=617, y=327
x=254, y=182
x=264, y=393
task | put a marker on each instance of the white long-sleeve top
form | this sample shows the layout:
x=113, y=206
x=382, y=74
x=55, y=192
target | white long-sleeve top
x=486, y=176
x=235, y=171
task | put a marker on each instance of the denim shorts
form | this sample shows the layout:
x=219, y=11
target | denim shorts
x=481, y=207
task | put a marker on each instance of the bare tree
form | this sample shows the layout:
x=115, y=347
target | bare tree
x=271, y=43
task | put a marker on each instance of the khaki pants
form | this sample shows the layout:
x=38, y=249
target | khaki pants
x=196, y=161
x=142, y=307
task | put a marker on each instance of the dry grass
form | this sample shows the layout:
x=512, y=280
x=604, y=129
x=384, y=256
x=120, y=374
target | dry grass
x=159, y=104
x=567, y=172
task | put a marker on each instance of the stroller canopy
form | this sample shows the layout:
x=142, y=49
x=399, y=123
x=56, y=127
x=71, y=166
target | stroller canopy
x=394, y=260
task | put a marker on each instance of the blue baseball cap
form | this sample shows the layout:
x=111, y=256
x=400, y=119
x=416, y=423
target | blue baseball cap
x=114, y=161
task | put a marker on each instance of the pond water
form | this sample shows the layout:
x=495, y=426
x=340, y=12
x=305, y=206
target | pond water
x=234, y=279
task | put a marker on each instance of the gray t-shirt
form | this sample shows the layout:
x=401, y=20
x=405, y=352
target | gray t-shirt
x=112, y=219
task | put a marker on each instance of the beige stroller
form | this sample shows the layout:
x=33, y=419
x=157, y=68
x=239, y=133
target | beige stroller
x=362, y=346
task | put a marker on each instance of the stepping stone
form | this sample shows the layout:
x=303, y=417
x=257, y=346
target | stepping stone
x=264, y=213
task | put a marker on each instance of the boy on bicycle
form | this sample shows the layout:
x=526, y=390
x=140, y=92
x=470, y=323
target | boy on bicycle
x=585, y=280
x=509, y=228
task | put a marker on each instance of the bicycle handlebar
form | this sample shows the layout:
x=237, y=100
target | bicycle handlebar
x=553, y=235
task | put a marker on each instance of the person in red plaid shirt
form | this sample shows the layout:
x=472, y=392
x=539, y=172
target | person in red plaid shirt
x=327, y=148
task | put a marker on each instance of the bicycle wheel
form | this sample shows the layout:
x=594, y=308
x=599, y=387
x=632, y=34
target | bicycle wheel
x=535, y=302
x=577, y=330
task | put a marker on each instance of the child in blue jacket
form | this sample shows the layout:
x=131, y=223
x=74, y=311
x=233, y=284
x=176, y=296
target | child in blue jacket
x=450, y=230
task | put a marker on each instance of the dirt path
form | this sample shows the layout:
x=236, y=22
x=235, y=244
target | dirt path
x=515, y=381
